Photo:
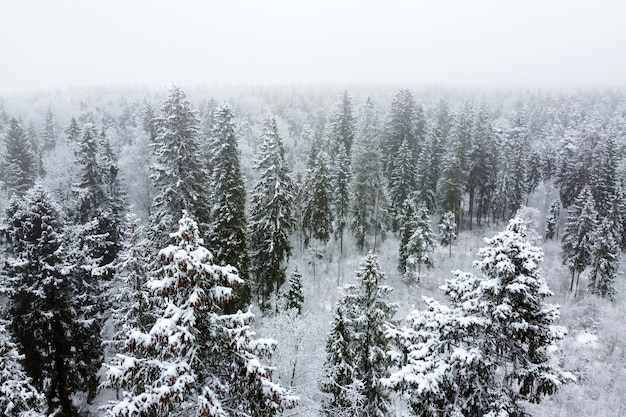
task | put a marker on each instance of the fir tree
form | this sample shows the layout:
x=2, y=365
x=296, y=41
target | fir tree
x=578, y=234
x=61, y=347
x=402, y=181
x=271, y=216
x=193, y=360
x=49, y=132
x=19, y=165
x=605, y=262
x=179, y=174
x=228, y=228
x=369, y=201
x=341, y=177
x=420, y=245
x=72, y=131
x=294, y=298
x=447, y=230
x=407, y=226
x=18, y=397
x=490, y=349
x=356, y=348
x=341, y=126
x=317, y=213
x=552, y=227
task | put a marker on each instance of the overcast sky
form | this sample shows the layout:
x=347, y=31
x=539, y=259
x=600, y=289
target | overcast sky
x=525, y=43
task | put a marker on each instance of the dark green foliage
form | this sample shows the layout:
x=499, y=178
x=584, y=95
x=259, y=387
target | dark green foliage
x=271, y=216
x=605, y=263
x=317, y=207
x=340, y=128
x=552, y=222
x=228, y=229
x=294, y=298
x=19, y=165
x=402, y=181
x=341, y=178
x=447, y=230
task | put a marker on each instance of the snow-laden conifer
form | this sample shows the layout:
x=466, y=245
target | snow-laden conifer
x=493, y=347
x=447, y=230
x=420, y=246
x=605, y=261
x=19, y=165
x=317, y=206
x=194, y=360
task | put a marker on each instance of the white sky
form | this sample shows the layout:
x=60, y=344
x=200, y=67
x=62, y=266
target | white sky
x=525, y=43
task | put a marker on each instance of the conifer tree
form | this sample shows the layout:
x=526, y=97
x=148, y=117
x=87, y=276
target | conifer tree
x=18, y=397
x=19, y=165
x=228, y=228
x=317, y=210
x=407, y=226
x=605, y=261
x=61, y=347
x=72, y=131
x=49, y=132
x=193, y=360
x=341, y=177
x=271, y=215
x=179, y=174
x=489, y=351
x=402, y=182
x=421, y=244
x=356, y=348
x=340, y=129
x=580, y=228
x=294, y=298
x=552, y=227
x=447, y=230
x=368, y=207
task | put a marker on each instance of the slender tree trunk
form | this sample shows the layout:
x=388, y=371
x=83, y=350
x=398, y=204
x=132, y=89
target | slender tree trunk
x=471, y=207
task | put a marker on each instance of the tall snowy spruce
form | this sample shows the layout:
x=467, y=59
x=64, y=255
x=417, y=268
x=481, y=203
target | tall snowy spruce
x=61, y=346
x=19, y=165
x=420, y=245
x=368, y=206
x=357, y=347
x=194, y=360
x=605, y=261
x=227, y=231
x=447, y=230
x=490, y=349
x=341, y=176
x=18, y=397
x=179, y=174
x=271, y=216
x=317, y=216
x=552, y=222
x=578, y=234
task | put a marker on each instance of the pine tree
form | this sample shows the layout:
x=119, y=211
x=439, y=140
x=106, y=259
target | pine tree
x=193, y=360
x=19, y=165
x=341, y=178
x=578, y=234
x=179, y=174
x=49, y=132
x=72, y=131
x=447, y=230
x=452, y=183
x=18, y=398
x=605, y=262
x=420, y=245
x=317, y=213
x=228, y=228
x=356, y=347
x=407, y=227
x=294, y=298
x=552, y=227
x=402, y=182
x=341, y=126
x=271, y=216
x=369, y=201
x=490, y=349
x=61, y=347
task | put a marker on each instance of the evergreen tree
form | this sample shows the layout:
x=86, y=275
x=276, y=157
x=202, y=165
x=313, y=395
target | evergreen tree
x=356, y=347
x=72, y=131
x=407, y=226
x=19, y=165
x=447, y=230
x=271, y=216
x=341, y=177
x=61, y=347
x=490, y=349
x=552, y=227
x=179, y=174
x=421, y=244
x=193, y=360
x=317, y=214
x=605, y=262
x=369, y=202
x=341, y=125
x=294, y=298
x=402, y=182
x=227, y=231
x=18, y=398
x=49, y=132
x=578, y=234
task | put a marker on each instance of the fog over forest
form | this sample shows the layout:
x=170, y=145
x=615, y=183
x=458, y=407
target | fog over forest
x=312, y=208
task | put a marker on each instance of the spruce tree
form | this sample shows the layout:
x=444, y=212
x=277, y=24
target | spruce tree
x=317, y=210
x=357, y=347
x=341, y=177
x=490, y=350
x=552, y=226
x=18, y=397
x=61, y=346
x=368, y=207
x=271, y=216
x=228, y=227
x=407, y=226
x=49, y=132
x=294, y=298
x=194, y=360
x=19, y=165
x=402, y=182
x=605, y=262
x=340, y=129
x=580, y=228
x=420, y=245
x=447, y=230
x=179, y=174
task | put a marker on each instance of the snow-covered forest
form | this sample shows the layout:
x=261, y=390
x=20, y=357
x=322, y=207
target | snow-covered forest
x=312, y=251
